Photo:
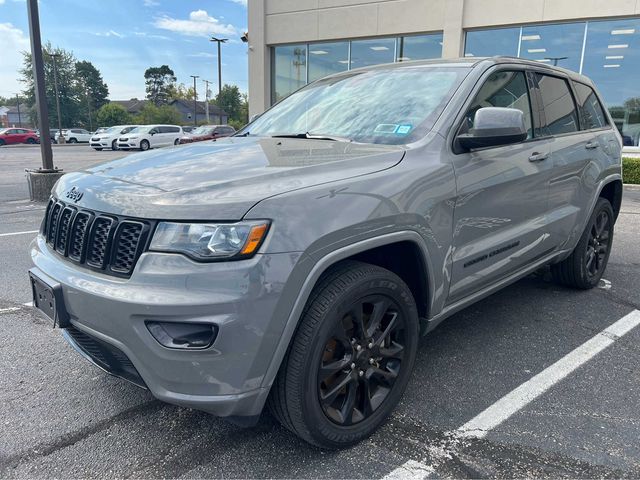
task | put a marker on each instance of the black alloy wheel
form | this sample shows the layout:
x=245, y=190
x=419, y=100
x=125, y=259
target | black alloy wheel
x=598, y=244
x=362, y=360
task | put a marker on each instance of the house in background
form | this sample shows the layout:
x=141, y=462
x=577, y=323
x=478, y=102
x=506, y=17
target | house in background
x=217, y=116
x=10, y=117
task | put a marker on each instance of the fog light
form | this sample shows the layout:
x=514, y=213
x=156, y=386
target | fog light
x=184, y=336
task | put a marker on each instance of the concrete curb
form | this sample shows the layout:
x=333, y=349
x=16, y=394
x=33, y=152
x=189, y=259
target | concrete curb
x=53, y=145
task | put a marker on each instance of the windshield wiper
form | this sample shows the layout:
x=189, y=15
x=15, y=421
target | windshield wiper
x=245, y=134
x=312, y=136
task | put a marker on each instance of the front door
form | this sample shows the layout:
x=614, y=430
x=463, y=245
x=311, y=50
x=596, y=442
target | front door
x=500, y=216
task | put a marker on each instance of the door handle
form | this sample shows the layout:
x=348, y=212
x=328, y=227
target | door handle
x=538, y=157
x=591, y=145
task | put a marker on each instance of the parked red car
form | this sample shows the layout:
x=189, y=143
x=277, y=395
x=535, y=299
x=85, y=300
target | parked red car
x=208, y=132
x=10, y=136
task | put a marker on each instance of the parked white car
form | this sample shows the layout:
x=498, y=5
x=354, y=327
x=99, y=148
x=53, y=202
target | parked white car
x=109, y=137
x=74, y=135
x=151, y=136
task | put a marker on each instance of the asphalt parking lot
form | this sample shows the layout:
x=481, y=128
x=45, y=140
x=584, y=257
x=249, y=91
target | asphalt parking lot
x=521, y=384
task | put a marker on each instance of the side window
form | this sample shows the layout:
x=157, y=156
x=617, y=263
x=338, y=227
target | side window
x=173, y=129
x=502, y=89
x=155, y=130
x=592, y=114
x=557, y=102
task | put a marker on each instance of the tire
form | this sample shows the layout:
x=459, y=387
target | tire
x=2, y=142
x=73, y=140
x=144, y=145
x=310, y=408
x=98, y=149
x=31, y=141
x=177, y=142
x=114, y=145
x=583, y=269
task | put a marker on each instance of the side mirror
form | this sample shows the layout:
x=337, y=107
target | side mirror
x=493, y=126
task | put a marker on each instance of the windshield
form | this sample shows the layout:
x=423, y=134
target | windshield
x=112, y=130
x=141, y=129
x=202, y=130
x=2, y=130
x=389, y=106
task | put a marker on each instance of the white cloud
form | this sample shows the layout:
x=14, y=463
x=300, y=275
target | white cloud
x=202, y=55
x=150, y=3
x=110, y=33
x=240, y=2
x=151, y=35
x=199, y=24
x=14, y=42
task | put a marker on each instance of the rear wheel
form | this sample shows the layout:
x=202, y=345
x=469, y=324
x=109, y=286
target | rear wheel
x=144, y=145
x=586, y=264
x=114, y=145
x=31, y=141
x=350, y=359
x=177, y=142
x=2, y=142
x=73, y=140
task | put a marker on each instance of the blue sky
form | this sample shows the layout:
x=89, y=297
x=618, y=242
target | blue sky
x=122, y=38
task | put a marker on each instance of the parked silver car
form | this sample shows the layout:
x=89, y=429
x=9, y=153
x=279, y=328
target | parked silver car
x=296, y=264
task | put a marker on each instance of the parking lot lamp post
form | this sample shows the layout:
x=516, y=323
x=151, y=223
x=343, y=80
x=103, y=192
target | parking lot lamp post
x=195, y=100
x=206, y=100
x=89, y=109
x=219, y=41
x=55, y=86
x=41, y=180
x=18, y=105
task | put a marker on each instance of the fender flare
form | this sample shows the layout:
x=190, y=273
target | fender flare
x=320, y=267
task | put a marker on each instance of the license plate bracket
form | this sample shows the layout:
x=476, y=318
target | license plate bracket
x=48, y=298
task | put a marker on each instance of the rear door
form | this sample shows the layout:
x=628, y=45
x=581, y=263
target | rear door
x=574, y=152
x=500, y=214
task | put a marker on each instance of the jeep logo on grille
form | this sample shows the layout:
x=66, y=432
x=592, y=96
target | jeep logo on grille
x=74, y=194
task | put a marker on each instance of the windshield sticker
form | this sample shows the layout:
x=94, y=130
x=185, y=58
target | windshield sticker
x=403, y=129
x=386, y=128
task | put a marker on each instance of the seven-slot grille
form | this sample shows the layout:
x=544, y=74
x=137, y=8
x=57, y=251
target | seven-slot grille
x=108, y=243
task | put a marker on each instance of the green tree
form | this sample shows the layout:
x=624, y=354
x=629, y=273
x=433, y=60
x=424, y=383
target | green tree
x=181, y=92
x=230, y=100
x=112, y=114
x=160, y=83
x=69, y=93
x=162, y=114
x=94, y=90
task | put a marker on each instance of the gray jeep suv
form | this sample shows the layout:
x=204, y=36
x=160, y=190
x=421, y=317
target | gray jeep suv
x=296, y=264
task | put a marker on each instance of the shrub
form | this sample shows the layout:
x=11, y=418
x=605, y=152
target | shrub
x=631, y=170
x=112, y=114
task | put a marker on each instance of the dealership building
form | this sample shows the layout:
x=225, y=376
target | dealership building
x=294, y=42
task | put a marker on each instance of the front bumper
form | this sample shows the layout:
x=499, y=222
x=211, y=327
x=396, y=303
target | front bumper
x=239, y=297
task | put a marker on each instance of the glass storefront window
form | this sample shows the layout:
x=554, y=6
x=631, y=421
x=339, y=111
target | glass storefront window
x=419, y=47
x=559, y=44
x=289, y=70
x=327, y=58
x=612, y=61
x=372, y=52
x=487, y=43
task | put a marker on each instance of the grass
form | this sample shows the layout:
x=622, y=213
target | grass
x=631, y=170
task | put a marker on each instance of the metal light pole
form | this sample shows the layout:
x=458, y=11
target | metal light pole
x=219, y=41
x=38, y=80
x=89, y=109
x=206, y=100
x=18, y=105
x=195, y=100
x=55, y=85
x=41, y=180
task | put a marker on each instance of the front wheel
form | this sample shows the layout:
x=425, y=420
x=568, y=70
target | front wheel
x=144, y=145
x=114, y=145
x=2, y=142
x=31, y=141
x=584, y=267
x=97, y=149
x=350, y=359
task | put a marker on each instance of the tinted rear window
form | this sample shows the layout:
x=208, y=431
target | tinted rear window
x=557, y=103
x=591, y=111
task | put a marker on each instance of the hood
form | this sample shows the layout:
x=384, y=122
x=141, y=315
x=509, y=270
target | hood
x=220, y=180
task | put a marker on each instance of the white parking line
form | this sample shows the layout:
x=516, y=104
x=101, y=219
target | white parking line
x=28, y=304
x=17, y=233
x=409, y=470
x=511, y=403
x=10, y=309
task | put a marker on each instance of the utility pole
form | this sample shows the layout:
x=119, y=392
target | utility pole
x=41, y=180
x=195, y=100
x=55, y=85
x=219, y=41
x=89, y=109
x=206, y=100
x=18, y=105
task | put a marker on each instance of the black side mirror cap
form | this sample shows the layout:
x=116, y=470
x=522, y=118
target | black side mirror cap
x=494, y=126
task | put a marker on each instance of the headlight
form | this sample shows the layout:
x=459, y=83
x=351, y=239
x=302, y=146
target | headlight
x=133, y=138
x=204, y=241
